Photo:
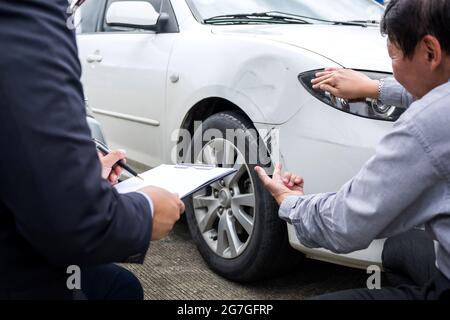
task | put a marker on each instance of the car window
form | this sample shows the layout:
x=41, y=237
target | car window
x=161, y=6
x=88, y=15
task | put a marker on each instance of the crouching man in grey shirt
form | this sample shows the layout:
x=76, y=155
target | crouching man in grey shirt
x=407, y=183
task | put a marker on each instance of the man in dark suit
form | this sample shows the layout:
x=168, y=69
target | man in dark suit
x=56, y=210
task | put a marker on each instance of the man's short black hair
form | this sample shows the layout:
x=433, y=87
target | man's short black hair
x=406, y=22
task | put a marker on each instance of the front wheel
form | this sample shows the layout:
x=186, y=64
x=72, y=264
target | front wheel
x=234, y=222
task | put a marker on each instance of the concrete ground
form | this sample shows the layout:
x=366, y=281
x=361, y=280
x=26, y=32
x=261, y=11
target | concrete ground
x=174, y=270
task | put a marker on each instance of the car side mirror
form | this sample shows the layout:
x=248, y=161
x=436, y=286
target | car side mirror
x=136, y=15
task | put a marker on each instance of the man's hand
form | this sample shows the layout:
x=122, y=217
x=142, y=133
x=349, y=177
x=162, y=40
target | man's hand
x=110, y=171
x=281, y=186
x=167, y=210
x=346, y=83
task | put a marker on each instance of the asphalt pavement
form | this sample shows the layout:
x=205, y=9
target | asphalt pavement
x=174, y=270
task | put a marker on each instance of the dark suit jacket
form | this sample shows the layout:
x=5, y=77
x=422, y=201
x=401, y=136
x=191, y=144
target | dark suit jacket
x=55, y=209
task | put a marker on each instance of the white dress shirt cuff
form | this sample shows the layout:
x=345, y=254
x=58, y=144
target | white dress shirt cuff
x=149, y=201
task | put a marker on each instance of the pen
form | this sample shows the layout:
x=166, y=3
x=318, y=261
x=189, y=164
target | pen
x=103, y=149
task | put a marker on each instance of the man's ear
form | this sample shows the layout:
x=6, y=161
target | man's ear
x=433, y=51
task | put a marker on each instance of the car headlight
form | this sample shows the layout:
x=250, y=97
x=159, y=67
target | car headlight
x=367, y=108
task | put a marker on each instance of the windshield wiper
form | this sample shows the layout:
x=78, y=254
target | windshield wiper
x=349, y=23
x=262, y=17
x=296, y=16
x=364, y=21
x=278, y=17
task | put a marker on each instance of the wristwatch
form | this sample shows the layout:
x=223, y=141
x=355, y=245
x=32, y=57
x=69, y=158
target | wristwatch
x=375, y=102
x=380, y=87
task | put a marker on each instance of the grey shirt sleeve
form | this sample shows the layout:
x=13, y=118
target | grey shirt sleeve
x=370, y=206
x=393, y=93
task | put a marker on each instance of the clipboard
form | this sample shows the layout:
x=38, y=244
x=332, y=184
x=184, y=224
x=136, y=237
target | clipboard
x=183, y=179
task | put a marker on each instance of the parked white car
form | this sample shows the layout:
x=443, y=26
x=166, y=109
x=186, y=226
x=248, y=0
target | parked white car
x=152, y=67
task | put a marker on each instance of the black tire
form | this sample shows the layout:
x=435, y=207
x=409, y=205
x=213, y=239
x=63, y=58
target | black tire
x=267, y=251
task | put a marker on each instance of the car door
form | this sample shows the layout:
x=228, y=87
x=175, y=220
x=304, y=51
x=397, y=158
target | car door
x=124, y=75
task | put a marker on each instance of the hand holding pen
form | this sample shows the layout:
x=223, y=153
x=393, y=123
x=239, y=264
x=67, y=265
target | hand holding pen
x=113, y=162
x=110, y=171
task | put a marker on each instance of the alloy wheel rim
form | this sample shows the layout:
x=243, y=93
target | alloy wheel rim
x=225, y=211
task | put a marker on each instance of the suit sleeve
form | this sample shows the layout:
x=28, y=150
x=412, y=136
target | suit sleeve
x=50, y=171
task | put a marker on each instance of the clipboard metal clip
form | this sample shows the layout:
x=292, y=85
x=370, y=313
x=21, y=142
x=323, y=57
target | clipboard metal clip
x=198, y=166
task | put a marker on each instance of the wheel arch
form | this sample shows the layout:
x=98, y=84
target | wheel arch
x=206, y=108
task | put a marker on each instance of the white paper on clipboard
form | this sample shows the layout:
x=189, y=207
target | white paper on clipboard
x=183, y=179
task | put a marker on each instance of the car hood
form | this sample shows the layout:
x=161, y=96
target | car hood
x=350, y=46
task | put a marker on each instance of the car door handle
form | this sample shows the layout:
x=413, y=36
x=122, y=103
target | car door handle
x=94, y=58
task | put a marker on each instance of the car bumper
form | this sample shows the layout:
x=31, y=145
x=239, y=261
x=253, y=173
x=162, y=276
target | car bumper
x=359, y=259
x=328, y=147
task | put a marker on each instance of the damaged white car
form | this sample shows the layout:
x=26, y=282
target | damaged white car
x=153, y=67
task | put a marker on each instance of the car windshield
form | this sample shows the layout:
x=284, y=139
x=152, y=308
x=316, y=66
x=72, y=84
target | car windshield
x=330, y=10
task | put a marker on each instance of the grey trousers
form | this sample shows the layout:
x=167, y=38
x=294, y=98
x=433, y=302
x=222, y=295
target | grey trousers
x=409, y=262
